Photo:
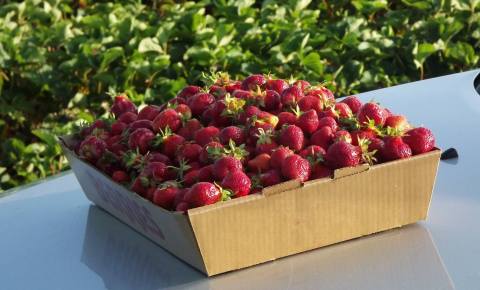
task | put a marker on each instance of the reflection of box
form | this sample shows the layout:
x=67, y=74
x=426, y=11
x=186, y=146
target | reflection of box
x=285, y=219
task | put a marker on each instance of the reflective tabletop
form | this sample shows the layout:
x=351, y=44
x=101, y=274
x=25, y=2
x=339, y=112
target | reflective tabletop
x=52, y=237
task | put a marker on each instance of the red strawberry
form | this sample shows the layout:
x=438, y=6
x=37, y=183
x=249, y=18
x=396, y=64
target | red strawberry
x=169, y=143
x=260, y=163
x=292, y=137
x=188, y=130
x=343, y=110
x=200, y=102
x=169, y=118
x=328, y=121
x=376, y=147
x=313, y=152
x=238, y=183
x=206, y=135
x=278, y=155
x=323, y=137
x=308, y=121
x=165, y=196
x=217, y=91
x=302, y=84
x=371, y=111
x=141, y=138
x=251, y=82
x=191, y=177
x=118, y=127
x=265, y=142
x=342, y=154
x=156, y=170
x=128, y=117
x=320, y=171
x=271, y=100
x=296, y=167
x=179, y=197
x=322, y=93
x=120, y=176
x=249, y=112
x=234, y=133
x=98, y=124
x=184, y=111
x=175, y=101
x=310, y=102
x=140, y=185
x=420, y=140
x=288, y=118
x=188, y=92
x=206, y=173
x=189, y=152
x=157, y=157
x=353, y=102
x=270, y=178
x=121, y=105
x=329, y=111
x=244, y=95
x=203, y=193
x=148, y=112
x=342, y=135
x=362, y=134
x=397, y=122
x=394, y=148
x=140, y=124
x=182, y=207
x=219, y=114
x=232, y=86
x=224, y=165
x=210, y=151
x=291, y=95
x=276, y=85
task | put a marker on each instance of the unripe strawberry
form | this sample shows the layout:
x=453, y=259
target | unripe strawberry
x=296, y=167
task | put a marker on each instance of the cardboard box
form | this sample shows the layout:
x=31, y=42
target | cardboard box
x=284, y=219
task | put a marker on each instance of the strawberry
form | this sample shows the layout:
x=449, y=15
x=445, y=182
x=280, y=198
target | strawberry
x=141, y=138
x=270, y=178
x=278, y=155
x=128, y=117
x=165, y=196
x=233, y=86
x=328, y=121
x=302, y=84
x=343, y=110
x=191, y=177
x=206, y=135
x=183, y=110
x=203, y=193
x=140, y=185
x=308, y=121
x=206, y=173
x=319, y=170
x=265, y=142
x=270, y=101
x=260, y=163
x=313, y=152
x=371, y=111
x=157, y=157
x=173, y=102
x=218, y=114
x=120, y=176
x=182, y=207
x=188, y=129
x=323, y=137
x=397, y=122
x=296, y=167
x=362, y=134
x=310, y=102
x=276, y=85
x=98, y=124
x=286, y=118
x=244, y=95
x=353, y=102
x=140, y=124
x=199, y=103
x=121, y=105
x=322, y=93
x=249, y=112
x=420, y=140
x=291, y=95
x=188, y=92
x=168, y=143
x=149, y=112
x=376, y=147
x=210, y=151
x=251, y=82
x=167, y=118
x=155, y=170
x=179, y=197
x=394, y=148
x=329, y=111
x=342, y=135
x=217, y=91
x=224, y=165
x=118, y=127
x=292, y=137
x=238, y=183
x=189, y=152
x=234, y=133
x=342, y=154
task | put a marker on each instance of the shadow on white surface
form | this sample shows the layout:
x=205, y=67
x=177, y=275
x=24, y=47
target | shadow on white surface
x=404, y=258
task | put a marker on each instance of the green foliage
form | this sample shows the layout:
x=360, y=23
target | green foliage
x=59, y=58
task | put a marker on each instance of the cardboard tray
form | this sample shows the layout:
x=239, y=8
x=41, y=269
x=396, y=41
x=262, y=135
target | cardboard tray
x=285, y=219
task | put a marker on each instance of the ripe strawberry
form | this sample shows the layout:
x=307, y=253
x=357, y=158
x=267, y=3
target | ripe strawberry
x=118, y=127
x=120, y=176
x=191, y=177
x=173, y=102
x=292, y=137
x=343, y=110
x=188, y=129
x=179, y=197
x=189, y=152
x=183, y=110
x=128, y=117
x=397, y=122
x=265, y=142
x=140, y=185
x=203, y=193
x=232, y=86
x=278, y=155
x=169, y=118
x=319, y=170
x=376, y=147
x=121, y=105
x=276, y=85
x=183, y=206
x=218, y=114
x=313, y=152
x=157, y=157
x=234, y=133
x=224, y=165
x=210, y=152
x=296, y=167
x=165, y=196
x=168, y=143
x=249, y=112
x=206, y=173
x=217, y=91
x=270, y=101
x=286, y=118
x=371, y=111
x=206, y=135
x=244, y=95
x=328, y=121
x=291, y=95
x=308, y=121
x=302, y=84
x=394, y=148
x=141, y=138
x=322, y=93
x=98, y=124
x=140, y=124
x=200, y=102
x=251, y=82
x=310, y=102
x=188, y=92
x=260, y=163
x=155, y=170
x=353, y=102
x=420, y=140
x=342, y=154
x=270, y=178
x=149, y=112
x=238, y=183
x=342, y=135
x=362, y=134
x=116, y=145
x=323, y=137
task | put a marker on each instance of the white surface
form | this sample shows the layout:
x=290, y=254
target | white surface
x=51, y=237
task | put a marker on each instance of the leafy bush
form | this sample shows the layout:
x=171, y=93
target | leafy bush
x=59, y=58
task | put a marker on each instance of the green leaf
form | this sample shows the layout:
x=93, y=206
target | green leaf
x=422, y=51
x=149, y=44
x=111, y=55
x=313, y=62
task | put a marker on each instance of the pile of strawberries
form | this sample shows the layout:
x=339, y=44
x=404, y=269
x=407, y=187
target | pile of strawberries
x=233, y=138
